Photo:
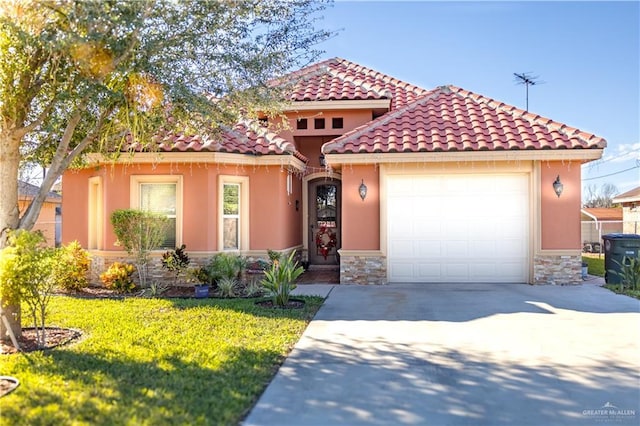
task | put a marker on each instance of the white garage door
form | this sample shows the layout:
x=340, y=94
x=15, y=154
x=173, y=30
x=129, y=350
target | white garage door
x=458, y=228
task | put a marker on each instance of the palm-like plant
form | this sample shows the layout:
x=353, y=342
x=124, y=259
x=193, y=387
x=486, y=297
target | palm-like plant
x=279, y=280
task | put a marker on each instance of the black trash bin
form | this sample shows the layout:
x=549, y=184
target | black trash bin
x=617, y=247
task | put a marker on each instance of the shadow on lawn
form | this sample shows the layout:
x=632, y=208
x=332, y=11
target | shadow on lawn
x=113, y=390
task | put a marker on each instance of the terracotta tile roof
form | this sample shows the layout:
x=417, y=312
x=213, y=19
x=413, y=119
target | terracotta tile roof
x=453, y=119
x=604, y=213
x=339, y=79
x=243, y=138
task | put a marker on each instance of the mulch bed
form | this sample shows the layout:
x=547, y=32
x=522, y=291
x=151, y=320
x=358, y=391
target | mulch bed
x=292, y=304
x=55, y=337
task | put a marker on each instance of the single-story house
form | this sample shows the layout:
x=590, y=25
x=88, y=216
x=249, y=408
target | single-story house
x=387, y=180
x=630, y=202
x=596, y=222
x=49, y=218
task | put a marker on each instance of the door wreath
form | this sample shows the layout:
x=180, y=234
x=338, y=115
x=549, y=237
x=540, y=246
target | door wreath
x=325, y=241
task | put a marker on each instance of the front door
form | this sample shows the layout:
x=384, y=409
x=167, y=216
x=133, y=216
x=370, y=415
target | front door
x=324, y=221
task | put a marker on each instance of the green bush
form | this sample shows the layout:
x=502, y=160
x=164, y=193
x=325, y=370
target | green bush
x=118, y=277
x=71, y=267
x=225, y=265
x=26, y=276
x=629, y=273
x=176, y=261
x=139, y=232
x=279, y=281
x=227, y=287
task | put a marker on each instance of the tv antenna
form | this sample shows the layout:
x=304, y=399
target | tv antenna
x=528, y=80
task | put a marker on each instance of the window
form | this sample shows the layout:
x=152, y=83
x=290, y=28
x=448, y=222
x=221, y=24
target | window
x=230, y=216
x=336, y=123
x=162, y=195
x=301, y=124
x=233, y=229
x=318, y=123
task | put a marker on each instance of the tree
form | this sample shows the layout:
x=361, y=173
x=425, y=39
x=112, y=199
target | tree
x=602, y=197
x=79, y=76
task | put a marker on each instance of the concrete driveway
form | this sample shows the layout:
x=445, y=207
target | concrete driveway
x=469, y=354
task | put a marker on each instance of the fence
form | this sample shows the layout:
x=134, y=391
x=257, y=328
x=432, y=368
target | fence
x=592, y=232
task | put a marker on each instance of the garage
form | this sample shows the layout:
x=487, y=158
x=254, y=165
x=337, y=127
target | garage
x=458, y=228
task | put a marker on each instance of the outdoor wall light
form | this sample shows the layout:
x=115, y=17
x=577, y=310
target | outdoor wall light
x=362, y=190
x=558, y=187
x=322, y=161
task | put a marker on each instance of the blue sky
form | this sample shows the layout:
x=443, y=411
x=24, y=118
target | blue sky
x=586, y=53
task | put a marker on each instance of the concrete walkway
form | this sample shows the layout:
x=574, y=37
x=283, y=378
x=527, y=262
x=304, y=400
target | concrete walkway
x=472, y=354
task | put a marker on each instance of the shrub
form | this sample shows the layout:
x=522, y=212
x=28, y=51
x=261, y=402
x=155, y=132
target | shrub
x=71, y=267
x=176, y=261
x=26, y=275
x=279, y=281
x=139, y=232
x=225, y=265
x=629, y=273
x=118, y=277
x=227, y=286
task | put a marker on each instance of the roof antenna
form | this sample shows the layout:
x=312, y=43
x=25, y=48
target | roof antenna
x=528, y=80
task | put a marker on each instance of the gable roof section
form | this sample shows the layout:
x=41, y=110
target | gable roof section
x=449, y=119
x=339, y=79
x=243, y=138
x=628, y=197
x=28, y=191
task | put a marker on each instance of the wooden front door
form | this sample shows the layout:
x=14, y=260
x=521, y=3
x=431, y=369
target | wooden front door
x=324, y=221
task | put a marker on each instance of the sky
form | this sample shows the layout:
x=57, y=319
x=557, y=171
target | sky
x=586, y=56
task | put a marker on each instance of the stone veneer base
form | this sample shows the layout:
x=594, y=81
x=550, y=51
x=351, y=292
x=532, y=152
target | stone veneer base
x=557, y=270
x=369, y=270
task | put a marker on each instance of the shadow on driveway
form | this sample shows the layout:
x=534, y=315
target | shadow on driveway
x=462, y=354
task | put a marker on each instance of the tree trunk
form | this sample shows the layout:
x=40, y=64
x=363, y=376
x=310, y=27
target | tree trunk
x=9, y=214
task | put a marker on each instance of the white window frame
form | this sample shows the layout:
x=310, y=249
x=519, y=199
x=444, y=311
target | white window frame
x=243, y=211
x=137, y=180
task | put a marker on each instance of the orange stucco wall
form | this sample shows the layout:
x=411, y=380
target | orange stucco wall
x=360, y=219
x=274, y=222
x=46, y=219
x=351, y=119
x=560, y=217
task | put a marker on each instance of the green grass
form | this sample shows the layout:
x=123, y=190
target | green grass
x=152, y=361
x=596, y=265
x=627, y=291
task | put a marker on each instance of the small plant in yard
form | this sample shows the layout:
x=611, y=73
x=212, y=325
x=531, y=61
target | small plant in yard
x=227, y=287
x=154, y=290
x=71, y=267
x=225, y=265
x=254, y=288
x=118, y=277
x=279, y=280
x=176, y=261
x=26, y=274
x=629, y=273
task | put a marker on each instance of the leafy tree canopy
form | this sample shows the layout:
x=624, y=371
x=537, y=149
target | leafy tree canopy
x=82, y=74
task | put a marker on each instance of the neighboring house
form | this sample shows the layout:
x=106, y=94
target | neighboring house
x=48, y=218
x=630, y=201
x=596, y=222
x=390, y=181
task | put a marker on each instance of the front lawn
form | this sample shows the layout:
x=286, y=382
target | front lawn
x=152, y=362
x=596, y=264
